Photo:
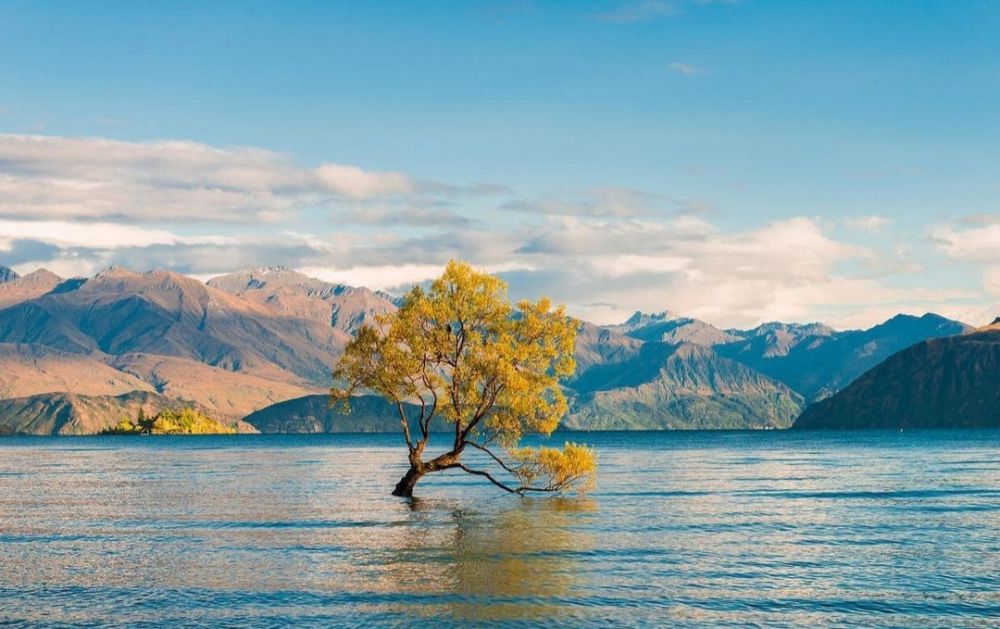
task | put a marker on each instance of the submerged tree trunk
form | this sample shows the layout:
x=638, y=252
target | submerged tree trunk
x=404, y=488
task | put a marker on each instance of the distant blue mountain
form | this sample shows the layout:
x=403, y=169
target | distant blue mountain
x=945, y=382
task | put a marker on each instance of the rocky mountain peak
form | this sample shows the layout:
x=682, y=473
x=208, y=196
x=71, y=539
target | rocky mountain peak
x=641, y=319
x=7, y=274
x=116, y=271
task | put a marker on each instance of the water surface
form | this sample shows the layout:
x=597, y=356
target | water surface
x=699, y=529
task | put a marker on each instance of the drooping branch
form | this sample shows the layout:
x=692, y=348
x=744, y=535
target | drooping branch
x=519, y=490
x=485, y=475
x=499, y=461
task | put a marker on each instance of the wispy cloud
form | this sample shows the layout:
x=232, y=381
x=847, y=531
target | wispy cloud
x=979, y=245
x=981, y=219
x=58, y=178
x=641, y=11
x=410, y=216
x=609, y=202
x=685, y=69
x=649, y=10
x=602, y=201
x=788, y=270
x=870, y=223
x=77, y=205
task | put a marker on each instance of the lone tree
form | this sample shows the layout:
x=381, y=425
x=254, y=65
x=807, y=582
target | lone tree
x=462, y=353
x=145, y=423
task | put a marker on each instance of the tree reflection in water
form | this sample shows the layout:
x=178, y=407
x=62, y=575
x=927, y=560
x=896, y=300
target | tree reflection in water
x=512, y=563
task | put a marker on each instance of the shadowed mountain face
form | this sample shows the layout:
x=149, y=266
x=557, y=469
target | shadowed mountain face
x=313, y=414
x=938, y=383
x=683, y=330
x=641, y=319
x=817, y=362
x=597, y=345
x=7, y=275
x=685, y=386
x=72, y=414
x=812, y=359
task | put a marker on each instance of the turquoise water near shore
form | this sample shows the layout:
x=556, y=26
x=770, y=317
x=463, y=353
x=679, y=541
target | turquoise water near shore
x=684, y=529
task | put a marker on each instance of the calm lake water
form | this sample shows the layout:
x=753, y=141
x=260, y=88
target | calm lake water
x=699, y=529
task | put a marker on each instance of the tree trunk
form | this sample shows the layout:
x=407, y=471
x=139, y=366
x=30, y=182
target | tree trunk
x=404, y=488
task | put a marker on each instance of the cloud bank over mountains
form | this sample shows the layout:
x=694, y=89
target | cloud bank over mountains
x=76, y=205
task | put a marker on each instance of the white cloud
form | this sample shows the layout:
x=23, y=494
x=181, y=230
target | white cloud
x=787, y=270
x=97, y=235
x=991, y=280
x=393, y=277
x=354, y=183
x=47, y=177
x=383, y=277
x=601, y=268
x=870, y=223
x=74, y=205
x=981, y=244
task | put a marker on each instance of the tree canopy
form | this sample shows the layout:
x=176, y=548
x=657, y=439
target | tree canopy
x=185, y=421
x=462, y=352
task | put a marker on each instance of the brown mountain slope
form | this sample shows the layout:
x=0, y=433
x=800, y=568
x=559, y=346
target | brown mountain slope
x=224, y=394
x=121, y=312
x=15, y=289
x=32, y=369
x=71, y=414
x=292, y=294
x=597, y=345
x=938, y=383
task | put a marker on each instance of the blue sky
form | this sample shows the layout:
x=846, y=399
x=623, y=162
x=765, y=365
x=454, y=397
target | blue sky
x=737, y=161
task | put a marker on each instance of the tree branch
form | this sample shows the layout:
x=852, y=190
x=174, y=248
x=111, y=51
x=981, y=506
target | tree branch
x=406, y=426
x=479, y=417
x=486, y=475
x=493, y=456
x=520, y=490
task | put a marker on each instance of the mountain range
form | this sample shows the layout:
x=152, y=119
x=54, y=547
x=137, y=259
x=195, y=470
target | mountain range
x=239, y=344
x=936, y=383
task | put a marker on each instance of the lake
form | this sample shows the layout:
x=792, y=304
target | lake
x=684, y=529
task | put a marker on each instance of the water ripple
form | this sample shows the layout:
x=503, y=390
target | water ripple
x=685, y=529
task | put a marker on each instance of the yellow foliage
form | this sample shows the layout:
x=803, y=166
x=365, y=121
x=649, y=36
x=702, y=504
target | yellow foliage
x=554, y=469
x=462, y=352
x=125, y=425
x=186, y=421
x=462, y=348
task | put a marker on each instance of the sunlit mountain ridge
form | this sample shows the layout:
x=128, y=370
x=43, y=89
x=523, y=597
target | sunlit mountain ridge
x=240, y=343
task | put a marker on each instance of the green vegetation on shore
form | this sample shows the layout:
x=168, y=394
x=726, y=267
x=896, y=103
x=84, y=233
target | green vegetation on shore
x=186, y=421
